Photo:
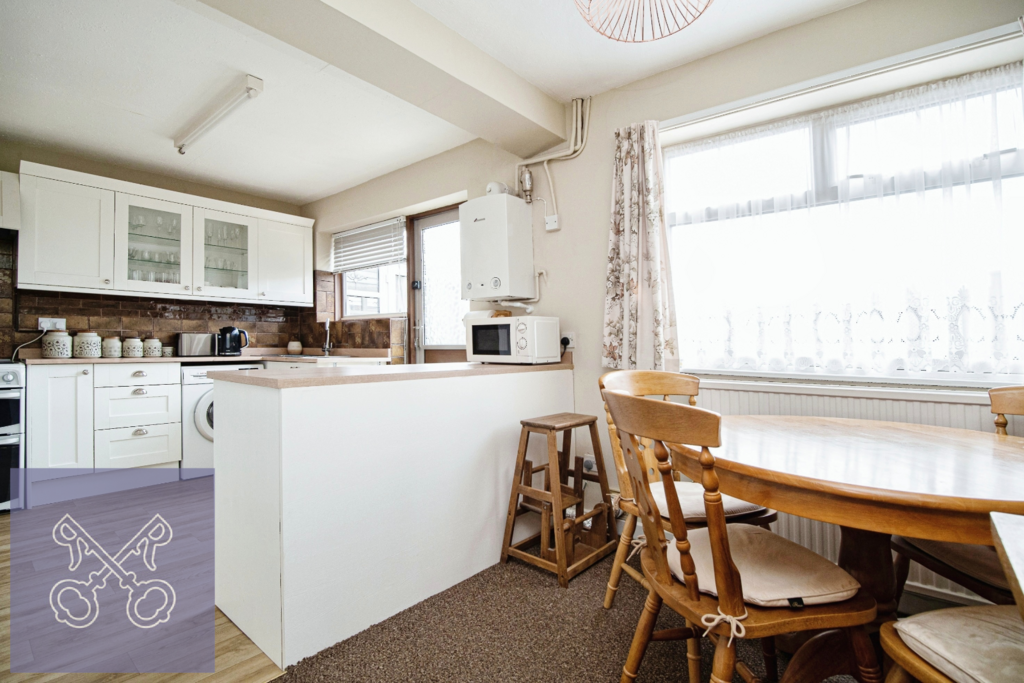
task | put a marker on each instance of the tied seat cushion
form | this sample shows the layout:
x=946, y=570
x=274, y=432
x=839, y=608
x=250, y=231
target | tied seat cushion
x=772, y=568
x=969, y=644
x=691, y=501
x=977, y=561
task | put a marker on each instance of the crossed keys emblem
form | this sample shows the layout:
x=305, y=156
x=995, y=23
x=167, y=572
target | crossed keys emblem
x=70, y=593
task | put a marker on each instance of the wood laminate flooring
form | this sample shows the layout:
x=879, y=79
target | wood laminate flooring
x=237, y=657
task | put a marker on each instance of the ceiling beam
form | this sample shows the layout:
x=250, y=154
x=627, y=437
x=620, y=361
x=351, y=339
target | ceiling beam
x=399, y=48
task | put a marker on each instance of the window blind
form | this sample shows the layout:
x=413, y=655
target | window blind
x=372, y=245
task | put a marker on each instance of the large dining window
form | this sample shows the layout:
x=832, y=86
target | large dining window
x=882, y=238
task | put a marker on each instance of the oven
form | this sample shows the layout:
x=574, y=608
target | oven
x=12, y=435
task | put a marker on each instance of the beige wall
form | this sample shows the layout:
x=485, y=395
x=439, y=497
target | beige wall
x=13, y=153
x=575, y=256
x=448, y=178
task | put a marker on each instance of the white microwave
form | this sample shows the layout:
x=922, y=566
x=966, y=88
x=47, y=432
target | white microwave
x=527, y=339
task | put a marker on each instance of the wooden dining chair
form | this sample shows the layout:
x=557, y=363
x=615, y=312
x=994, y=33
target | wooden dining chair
x=690, y=494
x=956, y=645
x=735, y=581
x=975, y=567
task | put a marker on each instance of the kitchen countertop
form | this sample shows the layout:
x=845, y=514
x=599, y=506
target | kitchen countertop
x=360, y=374
x=150, y=359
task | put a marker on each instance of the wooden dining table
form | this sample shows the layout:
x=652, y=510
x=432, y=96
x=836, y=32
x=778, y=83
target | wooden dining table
x=874, y=479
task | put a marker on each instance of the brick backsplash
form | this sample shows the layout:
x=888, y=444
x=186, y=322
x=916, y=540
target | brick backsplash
x=367, y=333
x=112, y=315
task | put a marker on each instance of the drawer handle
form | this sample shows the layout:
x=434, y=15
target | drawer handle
x=85, y=372
x=106, y=281
x=139, y=392
x=140, y=432
x=186, y=288
x=139, y=373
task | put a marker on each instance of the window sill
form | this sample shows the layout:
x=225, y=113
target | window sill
x=373, y=316
x=930, y=380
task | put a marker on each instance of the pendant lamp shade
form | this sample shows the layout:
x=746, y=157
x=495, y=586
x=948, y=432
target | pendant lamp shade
x=640, y=21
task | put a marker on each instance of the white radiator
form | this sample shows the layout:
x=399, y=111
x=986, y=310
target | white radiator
x=968, y=409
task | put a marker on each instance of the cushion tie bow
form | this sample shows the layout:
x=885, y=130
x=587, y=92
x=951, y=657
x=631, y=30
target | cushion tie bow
x=736, y=629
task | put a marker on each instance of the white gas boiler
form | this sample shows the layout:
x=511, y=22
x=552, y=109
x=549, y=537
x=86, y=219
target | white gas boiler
x=497, y=249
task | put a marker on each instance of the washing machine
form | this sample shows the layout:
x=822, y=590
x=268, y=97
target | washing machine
x=197, y=413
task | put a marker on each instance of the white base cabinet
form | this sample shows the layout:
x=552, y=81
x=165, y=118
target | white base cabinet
x=138, y=446
x=85, y=233
x=86, y=416
x=58, y=416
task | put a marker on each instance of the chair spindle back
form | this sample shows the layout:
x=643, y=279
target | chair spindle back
x=666, y=425
x=644, y=383
x=1006, y=401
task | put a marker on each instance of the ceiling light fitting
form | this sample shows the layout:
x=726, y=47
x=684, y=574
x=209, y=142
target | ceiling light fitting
x=250, y=89
x=640, y=21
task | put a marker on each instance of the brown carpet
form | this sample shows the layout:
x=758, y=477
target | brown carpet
x=513, y=623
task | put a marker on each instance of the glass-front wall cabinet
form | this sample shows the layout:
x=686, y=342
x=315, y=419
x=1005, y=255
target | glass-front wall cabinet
x=224, y=255
x=153, y=245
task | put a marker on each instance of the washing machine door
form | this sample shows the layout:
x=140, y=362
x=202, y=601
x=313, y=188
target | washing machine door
x=204, y=415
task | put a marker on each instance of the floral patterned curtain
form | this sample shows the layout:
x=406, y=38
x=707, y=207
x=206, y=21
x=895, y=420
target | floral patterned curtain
x=639, y=311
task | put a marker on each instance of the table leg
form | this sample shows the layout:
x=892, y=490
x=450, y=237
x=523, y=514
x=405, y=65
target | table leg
x=867, y=556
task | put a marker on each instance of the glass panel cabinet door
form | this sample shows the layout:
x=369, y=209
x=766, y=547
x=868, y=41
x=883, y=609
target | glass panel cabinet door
x=224, y=261
x=152, y=245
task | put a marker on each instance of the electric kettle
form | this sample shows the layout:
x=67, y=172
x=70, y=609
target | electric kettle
x=229, y=341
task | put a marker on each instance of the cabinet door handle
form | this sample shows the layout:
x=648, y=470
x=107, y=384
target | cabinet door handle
x=263, y=293
x=137, y=373
x=139, y=392
x=186, y=288
x=140, y=432
x=85, y=372
x=106, y=281
x=198, y=289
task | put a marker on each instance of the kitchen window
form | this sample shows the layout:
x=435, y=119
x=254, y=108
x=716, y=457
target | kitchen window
x=372, y=264
x=881, y=238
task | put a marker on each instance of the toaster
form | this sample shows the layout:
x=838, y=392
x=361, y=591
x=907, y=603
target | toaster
x=194, y=344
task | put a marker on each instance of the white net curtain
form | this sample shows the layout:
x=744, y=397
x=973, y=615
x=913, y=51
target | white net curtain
x=881, y=238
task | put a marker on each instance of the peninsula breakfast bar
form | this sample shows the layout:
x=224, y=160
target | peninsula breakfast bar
x=346, y=495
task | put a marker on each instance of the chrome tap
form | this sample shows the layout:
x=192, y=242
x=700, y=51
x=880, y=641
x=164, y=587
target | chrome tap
x=327, y=339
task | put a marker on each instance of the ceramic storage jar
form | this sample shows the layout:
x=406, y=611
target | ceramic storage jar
x=112, y=347
x=57, y=344
x=152, y=347
x=131, y=348
x=88, y=345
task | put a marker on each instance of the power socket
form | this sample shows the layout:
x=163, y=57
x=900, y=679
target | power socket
x=571, y=336
x=52, y=323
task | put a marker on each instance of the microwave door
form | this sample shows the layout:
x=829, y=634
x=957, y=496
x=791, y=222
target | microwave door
x=492, y=340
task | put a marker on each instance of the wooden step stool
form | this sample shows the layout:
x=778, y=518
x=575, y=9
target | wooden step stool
x=576, y=547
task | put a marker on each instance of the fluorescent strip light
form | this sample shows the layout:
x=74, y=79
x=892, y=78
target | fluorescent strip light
x=250, y=89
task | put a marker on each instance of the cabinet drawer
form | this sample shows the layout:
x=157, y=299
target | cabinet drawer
x=117, y=407
x=137, y=374
x=138, y=446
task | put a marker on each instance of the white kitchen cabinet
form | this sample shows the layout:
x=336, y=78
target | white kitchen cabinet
x=10, y=201
x=152, y=245
x=285, y=267
x=138, y=446
x=67, y=234
x=119, y=407
x=225, y=263
x=85, y=233
x=137, y=374
x=59, y=416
